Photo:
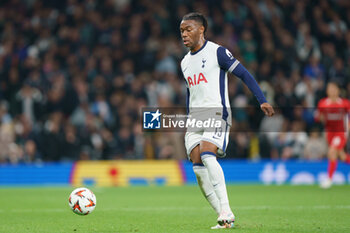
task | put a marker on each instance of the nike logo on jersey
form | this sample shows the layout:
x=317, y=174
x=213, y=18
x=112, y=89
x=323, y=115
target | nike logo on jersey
x=184, y=70
x=195, y=81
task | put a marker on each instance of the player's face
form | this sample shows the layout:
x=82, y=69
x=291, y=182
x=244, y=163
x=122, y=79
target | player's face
x=191, y=32
x=332, y=90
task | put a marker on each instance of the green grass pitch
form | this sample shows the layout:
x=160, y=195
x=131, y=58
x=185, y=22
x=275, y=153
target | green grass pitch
x=257, y=208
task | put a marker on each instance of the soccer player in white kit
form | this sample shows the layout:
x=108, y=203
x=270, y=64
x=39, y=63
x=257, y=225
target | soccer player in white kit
x=205, y=69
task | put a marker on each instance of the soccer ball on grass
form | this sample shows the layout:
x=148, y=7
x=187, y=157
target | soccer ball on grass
x=82, y=201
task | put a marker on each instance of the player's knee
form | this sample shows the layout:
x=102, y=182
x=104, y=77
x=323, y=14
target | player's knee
x=195, y=156
x=332, y=153
x=196, y=161
x=208, y=147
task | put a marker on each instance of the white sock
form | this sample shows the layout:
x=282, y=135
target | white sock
x=206, y=186
x=217, y=178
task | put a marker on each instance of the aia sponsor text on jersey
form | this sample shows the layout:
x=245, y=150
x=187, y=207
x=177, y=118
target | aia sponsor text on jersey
x=196, y=79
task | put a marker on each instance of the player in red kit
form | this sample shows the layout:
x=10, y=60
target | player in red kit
x=333, y=112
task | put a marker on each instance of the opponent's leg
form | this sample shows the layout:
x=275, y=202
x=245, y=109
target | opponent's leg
x=332, y=167
x=203, y=180
x=216, y=175
x=344, y=156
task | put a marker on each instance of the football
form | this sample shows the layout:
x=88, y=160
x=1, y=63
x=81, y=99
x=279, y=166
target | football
x=82, y=201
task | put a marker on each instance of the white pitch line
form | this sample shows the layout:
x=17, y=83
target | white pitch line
x=147, y=209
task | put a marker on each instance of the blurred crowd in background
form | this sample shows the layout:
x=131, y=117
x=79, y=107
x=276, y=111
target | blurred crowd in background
x=74, y=75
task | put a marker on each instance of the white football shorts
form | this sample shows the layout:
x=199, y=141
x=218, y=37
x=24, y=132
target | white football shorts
x=218, y=137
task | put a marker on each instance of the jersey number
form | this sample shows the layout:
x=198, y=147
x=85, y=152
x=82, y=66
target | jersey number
x=217, y=133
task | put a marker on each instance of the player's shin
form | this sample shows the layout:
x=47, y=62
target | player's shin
x=206, y=186
x=332, y=166
x=217, y=178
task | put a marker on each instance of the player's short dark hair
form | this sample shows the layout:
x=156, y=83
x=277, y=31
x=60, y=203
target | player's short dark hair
x=334, y=82
x=198, y=17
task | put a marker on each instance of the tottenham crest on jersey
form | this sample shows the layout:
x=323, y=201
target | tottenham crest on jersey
x=203, y=62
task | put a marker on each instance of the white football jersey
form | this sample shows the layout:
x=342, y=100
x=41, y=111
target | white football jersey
x=205, y=72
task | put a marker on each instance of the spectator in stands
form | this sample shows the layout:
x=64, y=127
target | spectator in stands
x=316, y=146
x=30, y=152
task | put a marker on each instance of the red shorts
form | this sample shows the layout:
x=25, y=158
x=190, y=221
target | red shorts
x=336, y=140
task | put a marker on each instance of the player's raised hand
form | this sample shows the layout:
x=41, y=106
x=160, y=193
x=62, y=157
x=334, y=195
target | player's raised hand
x=267, y=109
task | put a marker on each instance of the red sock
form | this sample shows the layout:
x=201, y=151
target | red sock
x=332, y=166
x=347, y=159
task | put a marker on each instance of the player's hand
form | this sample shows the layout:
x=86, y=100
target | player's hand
x=267, y=109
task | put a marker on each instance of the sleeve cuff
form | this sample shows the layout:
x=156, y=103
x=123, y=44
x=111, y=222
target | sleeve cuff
x=233, y=66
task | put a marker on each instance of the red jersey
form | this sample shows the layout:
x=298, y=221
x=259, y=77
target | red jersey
x=334, y=114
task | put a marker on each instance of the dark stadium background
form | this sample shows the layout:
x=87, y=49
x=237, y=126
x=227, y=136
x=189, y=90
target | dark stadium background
x=75, y=74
